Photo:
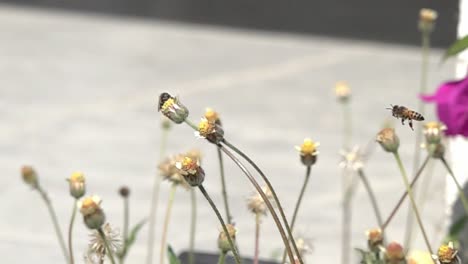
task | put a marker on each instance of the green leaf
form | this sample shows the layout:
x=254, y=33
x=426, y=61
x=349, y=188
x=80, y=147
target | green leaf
x=457, y=227
x=172, y=256
x=457, y=47
x=133, y=233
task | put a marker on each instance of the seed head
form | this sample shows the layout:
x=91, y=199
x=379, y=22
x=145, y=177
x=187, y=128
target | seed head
x=90, y=208
x=97, y=247
x=308, y=151
x=394, y=253
x=124, y=191
x=29, y=176
x=210, y=130
x=256, y=204
x=223, y=241
x=388, y=140
x=193, y=174
x=342, y=92
x=77, y=184
x=172, y=108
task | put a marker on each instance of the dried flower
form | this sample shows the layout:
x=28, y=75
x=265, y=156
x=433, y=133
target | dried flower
x=210, y=130
x=427, y=18
x=29, y=176
x=394, y=253
x=191, y=170
x=223, y=241
x=172, y=108
x=353, y=160
x=308, y=151
x=420, y=257
x=342, y=91
x=374, y=238
x=388, y=140
x=452, y=101
x=90, y=208
x=447, y=254
x=212, y=116
x=97, y=247
x=124, y=191
x=77, y=184
x=433, y=132
x=256, y=204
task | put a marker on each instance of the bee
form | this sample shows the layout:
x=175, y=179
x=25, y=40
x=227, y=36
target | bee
x=162, y=99
x=404, y=113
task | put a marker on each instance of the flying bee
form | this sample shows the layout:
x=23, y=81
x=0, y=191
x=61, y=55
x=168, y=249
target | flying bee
x=404, y=113
x=162, y=99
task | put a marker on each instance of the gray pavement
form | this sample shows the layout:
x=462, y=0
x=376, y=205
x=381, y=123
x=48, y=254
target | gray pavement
x=78, y=92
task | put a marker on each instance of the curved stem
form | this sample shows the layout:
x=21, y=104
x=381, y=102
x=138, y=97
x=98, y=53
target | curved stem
x=413, y=203
x=275, y=197
x=404, y=195
x=257, y=237
x=220, y=218
x=53, y=216
x=461, y=193
x=372, y=198
x=166, y=223
x=193, y=226
x=265, y=199
x=70, y=233
x=298, y=203
x=154, y=202
x=108, y=251
x=222, y=258
x=223, y=186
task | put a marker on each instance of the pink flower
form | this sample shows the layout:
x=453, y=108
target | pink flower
x=452, y=106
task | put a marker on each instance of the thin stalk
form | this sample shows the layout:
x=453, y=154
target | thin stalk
x=404, y=195
x=298, y=203
x=193, y=226
x=220, y=218
x=275, y=197
x=166, y=223
x=265, y=199
x=347, y=128
x=108, y=251
x=223, y=186
x=70, y=233
x=413, y=203
x=346, y=231
x=425, y=46
x=53, y=216
x=192, y=125
x=222, y=257
x=121, y=255
x=257, y=237
x=371, y=194
x=459, y=187
x=155, y=202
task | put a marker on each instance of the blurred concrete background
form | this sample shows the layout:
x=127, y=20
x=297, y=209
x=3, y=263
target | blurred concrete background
x=79, y=92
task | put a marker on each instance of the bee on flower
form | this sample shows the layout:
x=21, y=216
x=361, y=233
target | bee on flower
x=172, y=108
x=308, y=151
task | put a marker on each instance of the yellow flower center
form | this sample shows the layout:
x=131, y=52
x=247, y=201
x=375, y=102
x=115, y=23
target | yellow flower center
x=308, y=147
x=342, y=89
x=211, y=115
x=205, y=127
x=189, y=164
x=432, y=125
x=77, y=177
x=168, y=104
x=446, y=254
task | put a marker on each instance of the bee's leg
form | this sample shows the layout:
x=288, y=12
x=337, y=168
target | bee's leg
x=402, y=121
x=411, y=124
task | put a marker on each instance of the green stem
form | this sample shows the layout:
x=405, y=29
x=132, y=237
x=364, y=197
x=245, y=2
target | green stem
x=413, y=203
x=193, y=226
x=191, y=124
x=223, y=186
x=154, y=202
x=298, y=203
x=257, y=237
x=461, y=193
x=108, y=250
x=275, y=197
x=220, y=218
x=371, y=194
x=222, y=257
x=53, y=216
x=70, y=233
x=166, y=222
x=121, y=255
x=347, y=129
x=346, y=231
x=265, y=199
x=404, y=195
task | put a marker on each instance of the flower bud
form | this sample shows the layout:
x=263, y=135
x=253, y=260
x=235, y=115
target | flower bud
x=388, y=140
x=433, y=132
x=427, y=18
x=223, y=241
x=93, y=215
x=394, y=253
x=193, y=174
x=124, y=191
x=374, y=238
x=29, y=176
x=77, y=184
x=210, y=130
x=172, y=108
x=342, y=92
x=308, y=152
x=447, y=254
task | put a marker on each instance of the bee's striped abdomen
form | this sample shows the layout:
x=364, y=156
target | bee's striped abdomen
x=417, y=116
